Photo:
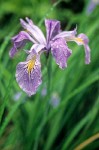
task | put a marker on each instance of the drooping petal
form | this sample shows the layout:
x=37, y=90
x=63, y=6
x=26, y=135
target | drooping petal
x=34, y=30
x=19, y=38
x=60, y=52
x=52, y=28
x=13, y=51
x=87, y=54
x=82, y=39
x=19, y=41
x=28, y=75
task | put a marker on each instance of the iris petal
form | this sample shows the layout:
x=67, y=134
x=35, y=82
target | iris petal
x=82, y=39
x=33, y=30
x=60, y=52
x=19, y=41
x=66, y=34
x=28, y=76
x=52, y=28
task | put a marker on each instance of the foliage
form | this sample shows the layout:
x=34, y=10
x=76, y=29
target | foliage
x=28, y=123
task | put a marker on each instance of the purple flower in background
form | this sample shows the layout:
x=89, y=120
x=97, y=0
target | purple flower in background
x=44, y=92
x=17, y=96
x=55, y=100
x=91, y=6
x=28, y=73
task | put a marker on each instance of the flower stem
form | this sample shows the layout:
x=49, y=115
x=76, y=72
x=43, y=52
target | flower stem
x=88, y=141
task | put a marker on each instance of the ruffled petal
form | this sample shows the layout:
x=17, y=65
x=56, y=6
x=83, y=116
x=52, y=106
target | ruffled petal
x=34, y=30
x=60, y=52
x=28, y=75
x=52, y=28
x=19, y=41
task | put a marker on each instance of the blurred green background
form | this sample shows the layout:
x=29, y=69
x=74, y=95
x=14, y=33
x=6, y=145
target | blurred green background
x=65, y=110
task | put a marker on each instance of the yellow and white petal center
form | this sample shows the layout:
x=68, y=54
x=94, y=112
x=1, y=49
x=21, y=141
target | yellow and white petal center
x=31, y=64
x=79, y=40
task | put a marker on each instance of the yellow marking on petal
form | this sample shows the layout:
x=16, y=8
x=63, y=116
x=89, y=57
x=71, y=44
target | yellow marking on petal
x=31, y=64
x=79, y=40
x=26, y=30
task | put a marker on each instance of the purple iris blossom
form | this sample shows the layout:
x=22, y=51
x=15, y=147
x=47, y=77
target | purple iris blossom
x=28, y=73
x=91, y=6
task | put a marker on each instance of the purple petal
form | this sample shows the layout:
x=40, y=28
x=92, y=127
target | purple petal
x=13, y=51
x=66, y=34
x=38, y=48
x=60, y=52
x=29, y=21
x=34, y=31
x=19, y=41
x=82, y=39
x=87, y=54
x=21, y=38
x=52, y=28
x=91, y=6
x=29, y=82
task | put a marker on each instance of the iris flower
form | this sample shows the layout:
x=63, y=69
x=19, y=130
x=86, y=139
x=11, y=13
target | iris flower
x=91, y=6
x=28, y=73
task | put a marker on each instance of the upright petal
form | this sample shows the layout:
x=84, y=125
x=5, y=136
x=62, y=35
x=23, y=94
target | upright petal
x=37, y=29
x=60, y=52
x=34, y=30
x=87, y=54
x=19, y=41
x=38, y=48
x=52, y=28
x=28, y=74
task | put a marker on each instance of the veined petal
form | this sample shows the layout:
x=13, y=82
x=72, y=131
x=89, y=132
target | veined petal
x=28, y=75
x=19, y=41
x=66, y=34
x=60, y=52
x=52, y=28
x=29, y=21
x=82, y=39
x=36, y=28
x=35, y=31
x=23, y=35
